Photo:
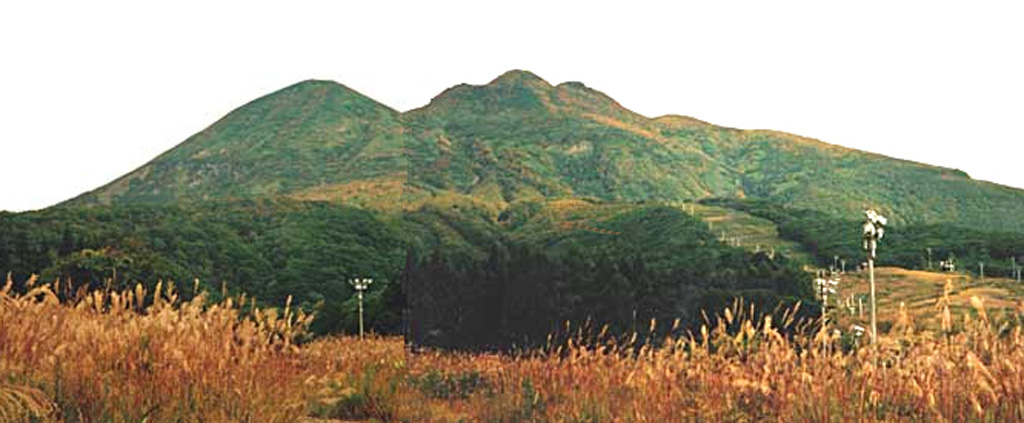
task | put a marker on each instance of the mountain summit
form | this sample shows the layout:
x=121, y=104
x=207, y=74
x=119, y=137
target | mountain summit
x=518, y=77
x=307, y=135
x=517, y=138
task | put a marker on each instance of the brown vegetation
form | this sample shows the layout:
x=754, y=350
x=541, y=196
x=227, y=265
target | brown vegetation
x=137, y=356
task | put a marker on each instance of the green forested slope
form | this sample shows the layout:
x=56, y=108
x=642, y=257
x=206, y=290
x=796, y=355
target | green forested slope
x=310, y=136
x=267, y=249
x=530, y=138
x=520, y=137
x=628, y=265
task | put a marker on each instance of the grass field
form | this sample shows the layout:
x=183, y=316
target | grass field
x=141, y=356
x=921, y=293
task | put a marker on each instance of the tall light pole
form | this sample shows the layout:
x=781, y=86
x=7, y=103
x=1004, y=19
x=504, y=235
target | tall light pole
x=360, y=285
x=874, y=229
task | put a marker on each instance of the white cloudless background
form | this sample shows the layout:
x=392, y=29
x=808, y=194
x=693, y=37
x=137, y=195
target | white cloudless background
x=91, y=90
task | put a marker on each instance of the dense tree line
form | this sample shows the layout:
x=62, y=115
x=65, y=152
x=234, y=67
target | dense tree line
x=466, y=279
x=664, y=265
x=267, y=249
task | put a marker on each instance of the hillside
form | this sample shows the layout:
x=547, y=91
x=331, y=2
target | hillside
x=466, y=279
x=302, y=141
x=921, y=294
x=746, y=230
x=602, y=263
x=519, y=137
x=828, y=239
x=269, y=249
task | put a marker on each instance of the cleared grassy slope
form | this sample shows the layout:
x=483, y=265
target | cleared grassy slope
x=745, y=230
x=920, y=293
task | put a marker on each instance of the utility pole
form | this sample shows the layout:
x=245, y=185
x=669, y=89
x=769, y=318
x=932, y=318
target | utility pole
x=874, y=229
x=929, y=258
x=1013, y=267
x=360, y=285
x=874, y=304
x=981, y=270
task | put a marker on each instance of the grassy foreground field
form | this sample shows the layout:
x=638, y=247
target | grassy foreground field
x=106, y=357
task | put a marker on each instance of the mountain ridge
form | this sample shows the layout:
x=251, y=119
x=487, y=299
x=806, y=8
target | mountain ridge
x=519, y=137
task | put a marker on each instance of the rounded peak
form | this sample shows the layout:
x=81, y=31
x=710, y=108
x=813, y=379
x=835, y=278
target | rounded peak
x=518, y=76
x=515, y=89
x=320, y=88
x=318, y=84
x=313, y=81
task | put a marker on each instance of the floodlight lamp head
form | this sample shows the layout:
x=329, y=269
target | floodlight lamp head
x=875, y=218
x=360, y=284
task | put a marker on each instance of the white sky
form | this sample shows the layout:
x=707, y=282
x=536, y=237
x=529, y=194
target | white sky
x=91, y=90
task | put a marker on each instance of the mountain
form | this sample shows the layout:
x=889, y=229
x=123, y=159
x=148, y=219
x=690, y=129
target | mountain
x=520, y=138
x=299, y=141
x=497, y=212
x=526, y=137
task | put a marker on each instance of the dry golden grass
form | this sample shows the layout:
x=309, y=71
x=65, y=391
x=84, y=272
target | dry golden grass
x=23, y=404
x=107, y=357
x=741, y=370
x=920, y=290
